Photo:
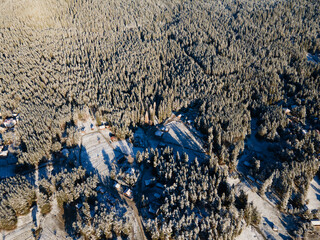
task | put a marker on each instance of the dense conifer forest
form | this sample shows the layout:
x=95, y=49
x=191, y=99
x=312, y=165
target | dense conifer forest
x=248, y=69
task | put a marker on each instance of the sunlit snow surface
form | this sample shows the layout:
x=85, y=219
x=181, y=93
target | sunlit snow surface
x=97, y=154
x=180, y=135
x=314, y=194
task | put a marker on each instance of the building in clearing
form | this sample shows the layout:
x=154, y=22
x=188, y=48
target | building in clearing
x=189, y=122
x=315, y=222
x=286, y=110
x=101, y=127
x=159, y=185
x=117, y=186
x=164, y=129
x=9, y=123
x=114, y=138
x=149, y=182
x=79, y=206
x=130, y=171
x=251, y=178
x=128, y=193
x=247, y=164
x=4, y=153
x=157, y=195
x=275, y=228
x=65, y=152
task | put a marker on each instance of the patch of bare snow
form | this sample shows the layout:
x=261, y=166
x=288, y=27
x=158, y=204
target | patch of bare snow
x=97, y=155
x=106, y=133
x=123, y=146
x=313, y=194
x=233, y=181
x=23, y=230
x=52, y=224
x=249, y=233
x=180, y=135
x=270, y=215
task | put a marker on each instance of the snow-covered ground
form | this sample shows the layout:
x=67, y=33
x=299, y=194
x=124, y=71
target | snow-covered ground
x=180, y=135
x=249, y=233
x=314, y=194
x=52, y=225
x=123, y=146
x=270, y=215
x=87, y=126
x=97, y=154
x=23, y=230
x=106, y=133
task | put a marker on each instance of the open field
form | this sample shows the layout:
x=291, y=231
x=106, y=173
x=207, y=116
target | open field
x=180, y=135
x=123, y=146
x=249, y=233
x=52, y=225
x=314, y=194
x=270, y=215
x=23, y=230
x=97, y=154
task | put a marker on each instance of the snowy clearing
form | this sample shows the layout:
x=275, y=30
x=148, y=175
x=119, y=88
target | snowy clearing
x=23, y=230
x=270, y=215
x=249, y=233
x=123, y=146
x=52, y=224
x=180, y=135
x=313, y=194
x=97, y=154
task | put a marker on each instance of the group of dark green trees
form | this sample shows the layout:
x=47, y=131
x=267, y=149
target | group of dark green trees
x=197, y=201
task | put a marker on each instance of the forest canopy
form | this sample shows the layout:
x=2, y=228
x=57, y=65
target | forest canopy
x=237, y=64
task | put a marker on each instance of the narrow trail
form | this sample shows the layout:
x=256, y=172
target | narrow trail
x=141, y=234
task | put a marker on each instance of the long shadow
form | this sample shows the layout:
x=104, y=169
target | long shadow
x=316, y=179
x=191, y=143
x=121, y=148
x=284, y=237
x=315, y=188
x=85, y=160
x=69, y=217
x=107, y=161
x=34, y=215
x=184, y=143
x=69, y=210
x=290, y=223
x=268, y=222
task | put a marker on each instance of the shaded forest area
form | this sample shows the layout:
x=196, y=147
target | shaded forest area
x=129, y=61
